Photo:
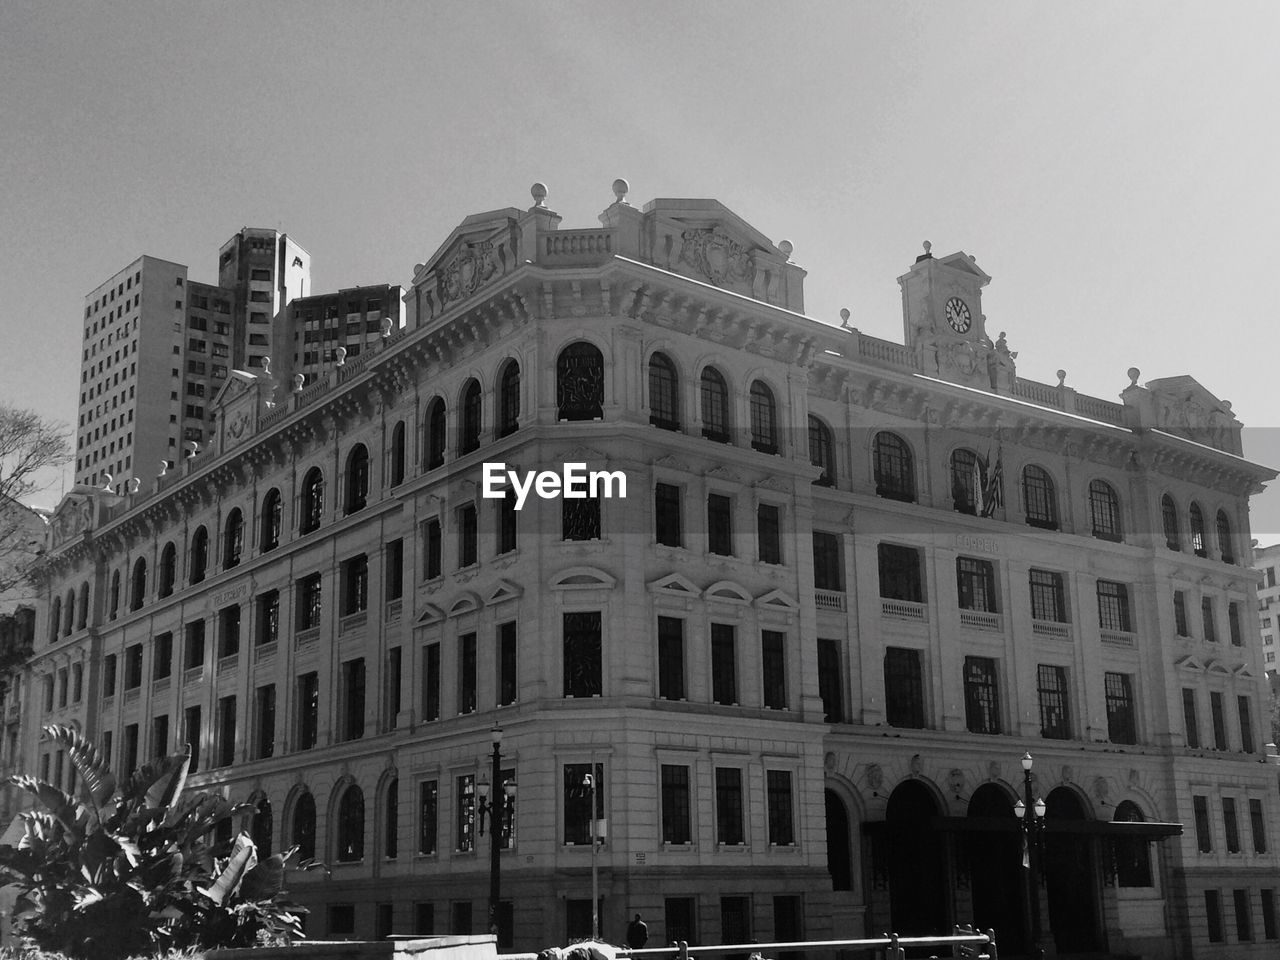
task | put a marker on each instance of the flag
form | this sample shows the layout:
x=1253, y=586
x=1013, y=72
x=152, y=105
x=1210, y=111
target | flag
x=993, y=496
x=979, y=508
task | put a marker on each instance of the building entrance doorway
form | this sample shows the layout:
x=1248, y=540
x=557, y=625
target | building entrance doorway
x=919, y=902
x=997, y=879
x=1071, y=877
x=839, y=858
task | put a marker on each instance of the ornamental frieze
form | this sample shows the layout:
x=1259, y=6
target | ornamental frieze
x=718, y=257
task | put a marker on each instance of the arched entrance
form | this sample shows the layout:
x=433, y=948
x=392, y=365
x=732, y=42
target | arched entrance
x=997, y=879
x=839, y=858
x=1071, y=877
x=918, y=894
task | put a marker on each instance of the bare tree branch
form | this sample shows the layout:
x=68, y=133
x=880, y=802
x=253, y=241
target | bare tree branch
x=29, y=444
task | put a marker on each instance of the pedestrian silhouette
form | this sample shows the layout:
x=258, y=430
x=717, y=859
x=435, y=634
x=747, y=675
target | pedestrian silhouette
x=637, y=933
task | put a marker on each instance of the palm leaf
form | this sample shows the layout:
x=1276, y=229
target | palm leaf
x=96, y=777
x=243, y=857
x=61, y=806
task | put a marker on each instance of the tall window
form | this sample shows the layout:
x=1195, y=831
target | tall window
x=981, y=695
x=264, y=710
x=1230, y=824
x=355, y=585
x=1180, y=614
x=895, y=472
x=782, y=831
x=719, y=525
x=724, y=681
x=666, y=514
x=968, y=481
x=827, y=573
x=312, y=500
x=769, y=532
x=822, y=452
x=903, y=688
x=435, y=433
x=469, y=418
x=671, y=658
x=580, y=518
x=432, y=543
x=199, y=555
x=1132, y=854
x=1204, y=836
x=1244, y=711
x=1218, y=713
x=397, y=453
x=229, y=631
x=582, y=654
x=393, y=565
x=729, y=820
x=351, y=825
x=675, y=804
x=357, y=479
x=664, y=393
x=272, y=520
x=190, y=736
x=580, y=382
x=1208, y=619
x=830, y=681
x=577, y=801
x=1055, y=712
x=900, y=573
x=509, y=399
x=1198, y=545
x=1258, y=825
x=193, y=654
x=1213, y=915
x=1040, y=498
x=1104, y=511
x=1169, y=520
x=507, y=689
x=1048, y=600
x=1113, y=606
x=976, y=584
x=226, y=731
x=310, y=600
x=1224, y=538
x=262, y=827
x=507, y=522
x=764, y=419
x=303, y=833
x=715, y=406
x=114, y=600
x=132, y=673
x=168, y=570
x=308, y=710
x=428, y=817
x=1190, y=719
x=233, y=539
x=353, y=699
x=774, y=668
x=1233, y=624
x=468, y=535
x=467, y=673
x=137, y=585
x=431, y=682
x=161, y=657
x=1121, y=726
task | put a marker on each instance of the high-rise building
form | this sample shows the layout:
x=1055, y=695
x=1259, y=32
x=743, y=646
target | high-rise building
x=773, y=673
x=266, y=269
x=331, y=327
x=1266, y=560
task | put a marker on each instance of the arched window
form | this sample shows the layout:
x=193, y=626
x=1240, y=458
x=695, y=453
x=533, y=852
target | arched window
x=764, y=419
x=69, y=613
x=968, y=482
x=138, y=584
x=1197, y=531
x=715, y=406
x=895, y=472
x=580, y=382
x=822, y=452
x=272, y=520
x=1224, y=538
x=168, y=573
x=263, y=825
x=351, y=825
x=1104, y=511
x=357, y=479
x=1132, y=854
x=312, y=500
x=397, y=453
x=1040, y=498
x=509, y=399
x=1169, y=516
x=199, y=554
x=469, y=418
x=115, y=596
x=55, y=619
x=391, y=821
x=435, y=433
x=82, y=614
x=664, y=395
x=303, y=834
x=232, y=539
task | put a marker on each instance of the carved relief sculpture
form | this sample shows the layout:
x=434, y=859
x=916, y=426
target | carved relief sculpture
x=720, y=259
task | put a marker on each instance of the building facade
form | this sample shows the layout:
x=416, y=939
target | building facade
x=850, y=583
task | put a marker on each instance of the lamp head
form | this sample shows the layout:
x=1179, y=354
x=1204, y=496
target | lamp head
x=1020, y=809
x=1040, y=807
x=588, y=780
x=1026, y=762
x=495, y=735
x=483, y=786
x=509, y=788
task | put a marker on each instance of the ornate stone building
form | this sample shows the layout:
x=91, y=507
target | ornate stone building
x=850, y=583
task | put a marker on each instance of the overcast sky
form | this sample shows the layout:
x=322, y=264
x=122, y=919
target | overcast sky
x=1112, y=166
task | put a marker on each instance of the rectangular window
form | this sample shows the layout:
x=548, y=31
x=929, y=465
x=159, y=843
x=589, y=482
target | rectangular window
x=903, y=688
x=1113, y=606
x=310, y=601
x=353, y=699
x=900, y=573
x=431, y=682
x=577, y=801
x=1210, y=622
x=132, y=673
x=465, y=814
x=432, y=542
x=1121, y=726
x=735, y=919
x=392, y=684
x=394, y=562
x=468, y=536
x=507, y=522
x=1244, y=917
x=1244, y=708
x=675, y=804
x=160, y=736
x=428, y=825
x=1189, y=717
x=719, y=525
x=1231, y=827
x=1258, y=825
x=774, y=668
x=580, y=519
x=582, y=654
x=1213, y=915
x=1180, y=614
x=191, y=736
x=269, y=617
x=1218, y=712
x=130, y=750
x=1055, y=713
x=1204, y=837
x=108, y=679
x=1233, y=624
x=666, y=514
x=264, y=712
x=781, y=822
x=769, y=533
x=827, y=573
x=724, y=680
x=679, y=914
x=467, y=673
x=226, y=731
x=671, y=658
x=229, y=631
x=729, y=820
x=976, y=584
x=355, y=585
x=830, y=681
x=507, y=663
x=308, y=710
x=981, y=695
x=1269, y=930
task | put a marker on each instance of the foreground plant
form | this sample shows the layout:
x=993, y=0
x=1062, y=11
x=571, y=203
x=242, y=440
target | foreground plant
x=121, y=869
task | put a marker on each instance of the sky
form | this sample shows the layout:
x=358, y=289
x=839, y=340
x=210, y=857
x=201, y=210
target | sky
x=1111, y=166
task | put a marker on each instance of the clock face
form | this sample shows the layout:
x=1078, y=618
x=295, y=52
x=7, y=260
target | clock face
x=958, y=315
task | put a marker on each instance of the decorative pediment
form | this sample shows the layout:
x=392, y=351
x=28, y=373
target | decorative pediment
x=1242, y=670
x=774, y=483
x=1189, y=662
x=720, y=472
x=237, y=406
x=581, y=454
x=582, y=578
x=467, y=602
x=505, y=590
x=76, y=514
x=669, y=462
x=1181, y=406
x=776, y=600
x=431, y=614
x=1216, y=666
x=676, y=584
x=726, y=591
x=480, y=250
x=964, y=263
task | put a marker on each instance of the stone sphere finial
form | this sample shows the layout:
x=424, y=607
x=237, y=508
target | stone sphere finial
x=539, y=193
x=844, y=317
x=786, y=247
x=266, y=366
x=192, y=447
x=386, y=328
x=1226, y=405
x=341, y=354
x=1062, y=378
x=927, y=247
x=135, y=484
x=298, y=381
x=620, y=190
x=107, y=481
x=164, y=468
x=1134, y=373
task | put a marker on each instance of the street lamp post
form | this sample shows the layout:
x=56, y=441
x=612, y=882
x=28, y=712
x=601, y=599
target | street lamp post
x=589, y=781
x=501, y=813
x=1030, y=813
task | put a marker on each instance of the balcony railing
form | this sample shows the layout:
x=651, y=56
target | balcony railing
x=264, y=651
x=305, y=638
x=1119, y=637
x=981, y=620
x=903, y=610
x=1051, y=629
x=828, y=600
x=352, y=622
